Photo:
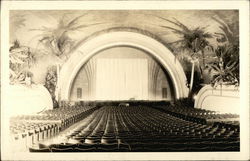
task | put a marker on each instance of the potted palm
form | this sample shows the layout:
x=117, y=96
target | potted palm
x=190, y=46
x=225, y=69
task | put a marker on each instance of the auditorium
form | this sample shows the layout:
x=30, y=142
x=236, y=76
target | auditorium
x=84, y=81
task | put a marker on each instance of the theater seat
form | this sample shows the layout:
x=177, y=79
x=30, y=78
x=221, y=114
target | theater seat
x=108, y=140
x=86, y=146
x=42, y=146
x=124, y=147
x=86, y=149
x=92, y=140
x=39, y=150
x=108, y=147
x=62, y=150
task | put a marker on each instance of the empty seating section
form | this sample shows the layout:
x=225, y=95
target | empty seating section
x=142, y=129
x=200, y=115
x=30, y=129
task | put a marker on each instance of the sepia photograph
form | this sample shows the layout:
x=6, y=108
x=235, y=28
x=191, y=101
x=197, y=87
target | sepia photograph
x=124, y=81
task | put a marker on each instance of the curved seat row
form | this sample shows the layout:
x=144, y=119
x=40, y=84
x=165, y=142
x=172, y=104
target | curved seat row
x=26, y=130
x=200, y=115
x=141, y=147
x=144, y=128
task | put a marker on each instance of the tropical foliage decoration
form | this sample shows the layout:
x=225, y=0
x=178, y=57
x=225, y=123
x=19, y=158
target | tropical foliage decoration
x=50, y=83
x=20, y=60
x=226, y=69
x=191, y=44
x=54, y=40
x=229, y=34
x=57, y=40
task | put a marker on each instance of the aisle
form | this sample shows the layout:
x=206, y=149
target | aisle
x=62, y=136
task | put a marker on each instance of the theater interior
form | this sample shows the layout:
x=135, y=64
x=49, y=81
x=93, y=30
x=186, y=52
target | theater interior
x=124, y=81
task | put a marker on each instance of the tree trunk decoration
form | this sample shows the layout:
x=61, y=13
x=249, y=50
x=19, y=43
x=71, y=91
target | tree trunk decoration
x=50, y=83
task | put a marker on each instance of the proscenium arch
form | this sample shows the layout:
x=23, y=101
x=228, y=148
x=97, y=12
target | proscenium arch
x=87, y=49
x=168, y=78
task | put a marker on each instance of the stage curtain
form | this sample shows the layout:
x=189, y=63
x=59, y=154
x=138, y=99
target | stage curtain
x=122, y=79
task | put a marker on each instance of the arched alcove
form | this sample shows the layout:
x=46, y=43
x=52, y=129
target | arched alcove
x=136, y=75
x=140, y=40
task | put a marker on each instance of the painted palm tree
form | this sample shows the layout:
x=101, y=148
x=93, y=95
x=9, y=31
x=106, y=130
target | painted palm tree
x=57, y=40
x=191, y=44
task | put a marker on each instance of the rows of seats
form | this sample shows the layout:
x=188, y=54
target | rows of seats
x=26, y=130
x=200, y=115
x=203, y=146
x=141, y=128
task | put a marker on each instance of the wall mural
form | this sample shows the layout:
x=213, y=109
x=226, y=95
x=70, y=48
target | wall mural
x=209, y=47
x=21, y=58
x=52, y=41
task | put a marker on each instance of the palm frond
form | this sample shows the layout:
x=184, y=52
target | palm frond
x=228, y=34
x=175, y=42
x=232, y=67
x=40, y=35
x=84, y=26
x=207, y=35
x=216, y=68
x=43, y=28
x=61, y=22
x=220, y=34
x=162, y=33
x=46, y=38
x=165, y=19
x=175, y=30
x=181, y=25
x=217, y=20
x=177, y=23
x=73, y=22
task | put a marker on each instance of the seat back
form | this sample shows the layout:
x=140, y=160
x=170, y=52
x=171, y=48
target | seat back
x=62, y=150
x=39, y=150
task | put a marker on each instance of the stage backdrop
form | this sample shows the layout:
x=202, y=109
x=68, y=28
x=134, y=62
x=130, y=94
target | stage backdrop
x=122, y=79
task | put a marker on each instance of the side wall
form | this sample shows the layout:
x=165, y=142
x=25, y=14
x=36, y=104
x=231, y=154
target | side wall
x=223, y=99
x=27, y=100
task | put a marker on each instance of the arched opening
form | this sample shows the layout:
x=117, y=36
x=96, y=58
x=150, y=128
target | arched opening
x=87, y=49
x=122, y=73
